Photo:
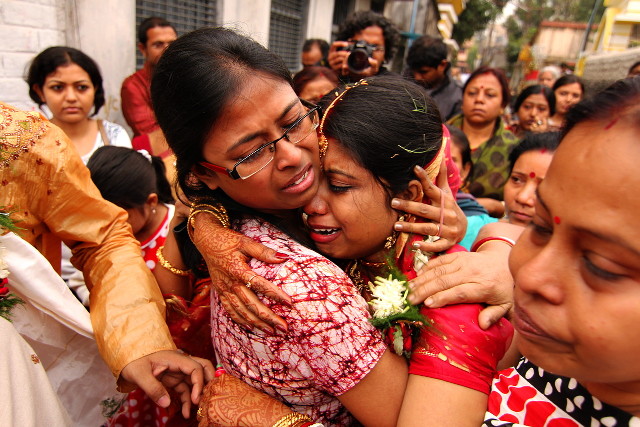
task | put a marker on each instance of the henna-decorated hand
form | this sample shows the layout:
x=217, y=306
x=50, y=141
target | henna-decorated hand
x=226, y=253
x=227, y=401
x=454, y=224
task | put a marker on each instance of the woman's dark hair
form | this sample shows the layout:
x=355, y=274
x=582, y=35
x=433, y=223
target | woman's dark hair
x=47, y=61
x=534, y=90
x=390, y=125
x=367, y=18
x=498, y=74
x=310, y=73
x=542, y=141
x=195, y=79
x=620, y=99
x=568, y=79
x=460, y=140
x=126, y=177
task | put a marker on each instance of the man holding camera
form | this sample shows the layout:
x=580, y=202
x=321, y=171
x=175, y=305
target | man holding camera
x=365, y=41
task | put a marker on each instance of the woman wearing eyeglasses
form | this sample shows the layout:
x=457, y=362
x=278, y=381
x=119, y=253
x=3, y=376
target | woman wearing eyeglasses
x=241, y=136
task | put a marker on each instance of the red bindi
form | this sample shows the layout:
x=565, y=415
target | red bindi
x=556, y=219
x=532, y=174
x=610, y=125
x=543, y=150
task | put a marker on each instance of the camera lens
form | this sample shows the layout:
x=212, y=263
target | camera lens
x=358, y=61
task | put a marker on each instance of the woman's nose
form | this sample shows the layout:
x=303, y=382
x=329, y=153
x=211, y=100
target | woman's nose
x=287, y=154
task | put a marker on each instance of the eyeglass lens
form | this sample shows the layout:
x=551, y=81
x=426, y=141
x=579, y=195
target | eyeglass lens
x=261, y=157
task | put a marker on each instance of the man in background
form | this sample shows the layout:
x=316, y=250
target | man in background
x=428, y=65
x=379, y=38
x=154, y=35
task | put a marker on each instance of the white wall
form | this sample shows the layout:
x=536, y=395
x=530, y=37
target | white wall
x=320, y=19
x=26, y=28
x=250, y=17
x=106, y=31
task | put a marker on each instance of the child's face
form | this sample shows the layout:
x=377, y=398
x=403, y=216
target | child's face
x=520, y=189
x=456, y=157
x=577, y=266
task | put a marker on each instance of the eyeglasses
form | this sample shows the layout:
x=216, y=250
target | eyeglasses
x=259, y=158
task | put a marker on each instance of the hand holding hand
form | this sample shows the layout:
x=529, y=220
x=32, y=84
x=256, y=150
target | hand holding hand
x=168, y=368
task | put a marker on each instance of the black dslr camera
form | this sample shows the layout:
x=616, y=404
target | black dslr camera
x=358, y=59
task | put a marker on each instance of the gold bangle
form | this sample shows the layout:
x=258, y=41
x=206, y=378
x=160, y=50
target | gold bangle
x=218, y=211
x=166, y=264
x=293, y=419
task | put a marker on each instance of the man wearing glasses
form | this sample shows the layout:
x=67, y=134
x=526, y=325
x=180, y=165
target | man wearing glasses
x=365, y=41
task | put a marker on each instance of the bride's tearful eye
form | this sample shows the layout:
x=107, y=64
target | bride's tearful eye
x=339, y=188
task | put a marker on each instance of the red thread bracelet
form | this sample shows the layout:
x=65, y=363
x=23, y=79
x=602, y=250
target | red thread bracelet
x=481, y=242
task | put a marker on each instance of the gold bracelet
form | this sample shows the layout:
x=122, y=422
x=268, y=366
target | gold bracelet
x=218, y=211
x=293, y=419
x=166, y=264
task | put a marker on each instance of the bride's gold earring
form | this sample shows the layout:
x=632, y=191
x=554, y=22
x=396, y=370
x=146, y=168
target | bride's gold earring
x=391, y=240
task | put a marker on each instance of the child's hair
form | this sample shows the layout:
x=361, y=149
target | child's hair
x=534, y=90
x=389, y=124
x=543, y=141
x=47, y=61
x=460, y=140
x=126, y=177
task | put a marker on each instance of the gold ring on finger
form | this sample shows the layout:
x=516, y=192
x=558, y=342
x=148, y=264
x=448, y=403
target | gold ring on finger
x=249, y=281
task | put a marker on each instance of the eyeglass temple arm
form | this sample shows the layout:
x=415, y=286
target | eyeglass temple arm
x=215, y=168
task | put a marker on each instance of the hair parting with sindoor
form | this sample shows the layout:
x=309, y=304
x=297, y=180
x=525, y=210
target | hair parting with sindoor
x=389, y=125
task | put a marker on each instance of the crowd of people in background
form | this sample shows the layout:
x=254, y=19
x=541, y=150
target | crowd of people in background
x=249, y=219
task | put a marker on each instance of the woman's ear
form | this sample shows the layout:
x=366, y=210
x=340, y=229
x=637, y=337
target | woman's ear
x=413, y=193
x=39, y=92
x=208, y=178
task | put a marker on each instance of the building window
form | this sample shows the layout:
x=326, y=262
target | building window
x=184, y=15
x=286, y=30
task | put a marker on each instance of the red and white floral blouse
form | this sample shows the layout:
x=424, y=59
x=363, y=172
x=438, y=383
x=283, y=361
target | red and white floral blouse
x=330, y=345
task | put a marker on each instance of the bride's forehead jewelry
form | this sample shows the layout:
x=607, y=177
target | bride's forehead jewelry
x=322, y=140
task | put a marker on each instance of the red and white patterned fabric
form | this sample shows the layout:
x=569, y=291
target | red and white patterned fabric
x=529, y=396
x=150, y=246
x=330, y=346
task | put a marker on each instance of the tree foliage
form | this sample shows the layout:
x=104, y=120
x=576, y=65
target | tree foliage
x=475, y=17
